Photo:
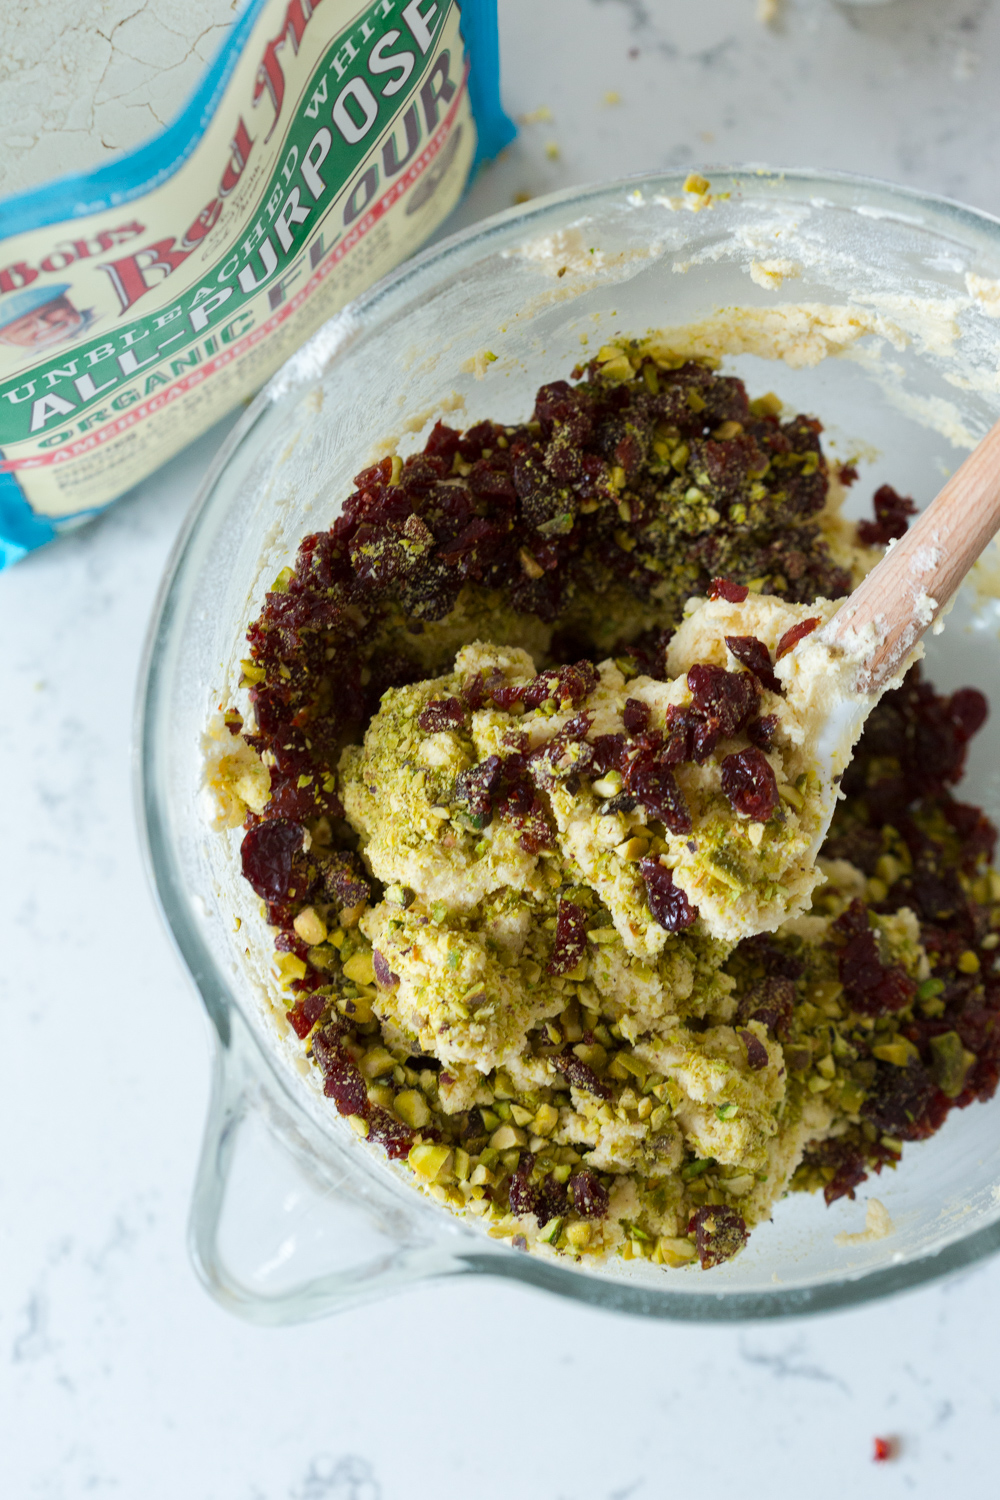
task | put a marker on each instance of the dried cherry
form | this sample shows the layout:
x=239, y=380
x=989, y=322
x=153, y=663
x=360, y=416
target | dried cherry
x=523, y=1196
x=383, y=973
x=724, y=588
x=475, y=788
x=305, y=1013
x=654, y=785
x=442, y=713
x=754, y=655
x=668, y=904
x=580, y=1075
x=754, y=1048
x=731, y=699
x=590, y=1196
x=636, y=716
x=342, y=878
x=892, y=512
x=750, y=784
x=761, y=732
x=269, y=856
x=719, y=1234
x=342, y=1080
x=571, y=938
x=794, y=634
x=391, y=1134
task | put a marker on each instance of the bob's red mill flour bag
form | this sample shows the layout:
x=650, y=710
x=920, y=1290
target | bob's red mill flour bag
x=144, y=298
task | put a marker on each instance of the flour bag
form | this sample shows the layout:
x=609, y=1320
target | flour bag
x=145, y=297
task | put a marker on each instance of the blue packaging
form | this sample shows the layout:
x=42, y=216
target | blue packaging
x=141, y=302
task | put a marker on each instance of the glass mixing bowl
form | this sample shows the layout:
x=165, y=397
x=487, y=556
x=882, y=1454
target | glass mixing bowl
x=293, y=1217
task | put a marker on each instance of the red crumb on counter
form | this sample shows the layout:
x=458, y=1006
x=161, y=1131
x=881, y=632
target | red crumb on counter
x=886, y=1448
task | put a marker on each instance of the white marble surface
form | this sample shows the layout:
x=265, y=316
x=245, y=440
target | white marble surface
x=118, y=1376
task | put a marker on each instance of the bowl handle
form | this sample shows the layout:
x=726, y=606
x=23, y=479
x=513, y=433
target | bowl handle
x=288, y=1223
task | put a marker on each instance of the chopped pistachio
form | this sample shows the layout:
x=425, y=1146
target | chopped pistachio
x=633, y=849
x=595, y=1055
x=635, y=1065
x=503, y=1088
x=427, y=1160
x=951, y=1063
x=290, y=967
x=852, y=1096
x=899, y=1052
x=376, y=1062
x=729, y=869
x=412, y=1108
x=360, y=968
x=322, y=956
x=252, y=673
x=616, y=369
x=358, y=1008
x=742, y=1183
x=674, y=1252
x=608, y=785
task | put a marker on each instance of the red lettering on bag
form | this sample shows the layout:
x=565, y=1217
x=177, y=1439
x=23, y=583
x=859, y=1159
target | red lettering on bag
x=17, y=275
x=130, y=275
x=270, y=77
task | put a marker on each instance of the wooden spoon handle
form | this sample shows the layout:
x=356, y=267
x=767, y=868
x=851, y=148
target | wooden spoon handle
x=907, y=590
